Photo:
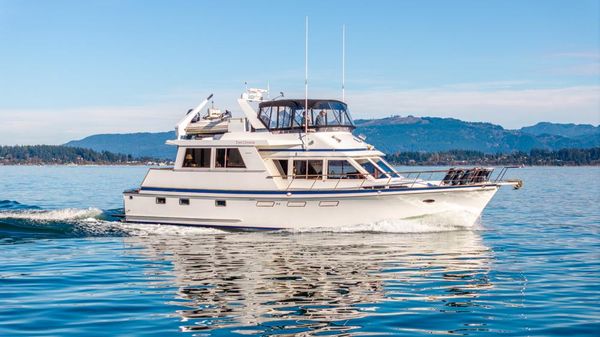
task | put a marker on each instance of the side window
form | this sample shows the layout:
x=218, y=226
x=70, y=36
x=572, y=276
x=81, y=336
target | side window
x=342, y=169
x=284, y=117
x=308, y=169
x=385, y=166
x=265, y=116
x=282, y=167
x=229, y=158
x=234, y=159
x=372, y=169
x=197, y=158
x=220, y=158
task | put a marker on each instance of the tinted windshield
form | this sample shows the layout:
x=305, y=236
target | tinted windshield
x=330, y=114
x=372, y=169
x=386, y=167
x=290, y=115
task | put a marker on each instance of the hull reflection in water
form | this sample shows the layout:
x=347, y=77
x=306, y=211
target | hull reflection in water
x=281, y=283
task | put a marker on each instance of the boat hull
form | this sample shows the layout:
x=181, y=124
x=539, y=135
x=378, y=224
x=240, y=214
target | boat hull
x=450, y=206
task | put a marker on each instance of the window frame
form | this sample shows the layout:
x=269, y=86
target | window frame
x=392, y=172
x=226, y=159
x=382, y=173
x=210, y=157
x=286, y=172
x=307, y=176
x=358, y=175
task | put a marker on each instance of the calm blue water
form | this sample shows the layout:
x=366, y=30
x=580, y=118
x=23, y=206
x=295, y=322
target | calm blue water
x=68, y=269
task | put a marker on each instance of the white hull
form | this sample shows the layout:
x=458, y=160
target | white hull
x=309, y=210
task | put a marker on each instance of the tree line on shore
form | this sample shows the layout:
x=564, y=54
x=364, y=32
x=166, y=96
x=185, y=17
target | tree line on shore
x=59, y=155
x=536, y=157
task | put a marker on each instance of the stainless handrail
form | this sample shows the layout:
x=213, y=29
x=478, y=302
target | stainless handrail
x=469, y=180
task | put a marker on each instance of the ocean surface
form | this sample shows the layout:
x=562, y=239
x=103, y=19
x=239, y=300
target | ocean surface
x=68, y=268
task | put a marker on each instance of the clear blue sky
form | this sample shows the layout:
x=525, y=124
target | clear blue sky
x=73, y=68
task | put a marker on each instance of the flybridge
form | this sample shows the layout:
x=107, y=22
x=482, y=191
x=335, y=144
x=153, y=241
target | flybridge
x=278, y=116
x=290, y=115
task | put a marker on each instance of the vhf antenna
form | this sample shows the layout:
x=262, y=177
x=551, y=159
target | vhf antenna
x=344, y=63
x=306, y=77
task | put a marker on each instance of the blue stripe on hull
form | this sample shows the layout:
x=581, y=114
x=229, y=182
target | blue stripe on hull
x=267, y=192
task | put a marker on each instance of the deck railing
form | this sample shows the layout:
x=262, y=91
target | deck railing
x=407, y=179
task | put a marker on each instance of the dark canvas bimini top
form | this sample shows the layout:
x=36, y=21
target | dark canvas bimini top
x=299, y=103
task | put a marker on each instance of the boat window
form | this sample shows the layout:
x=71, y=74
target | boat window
x=229, y=158
x=372, y=169
x=308, y=169
x=161, y=200
x=284, y=117
x=197, y=158
x=289, y=114
x=265, y=116
x=184, y=202
x=386, y=167
x=282, y=167
x=298, y=119
x=342, y=169
x=330, y=113
x=220, y=203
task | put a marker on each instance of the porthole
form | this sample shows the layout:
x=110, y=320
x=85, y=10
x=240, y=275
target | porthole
x=184, y=202
x=428, y=201
x=161, y=200
x=220, y=203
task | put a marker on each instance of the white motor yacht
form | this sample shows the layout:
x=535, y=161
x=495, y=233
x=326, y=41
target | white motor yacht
x=282, y=166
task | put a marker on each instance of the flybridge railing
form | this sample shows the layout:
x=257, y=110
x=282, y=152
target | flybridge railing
x=455, y=176
x=407, y=179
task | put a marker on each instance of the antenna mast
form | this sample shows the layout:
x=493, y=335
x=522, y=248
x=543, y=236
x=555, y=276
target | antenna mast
x=343, y=63
x=306, y=77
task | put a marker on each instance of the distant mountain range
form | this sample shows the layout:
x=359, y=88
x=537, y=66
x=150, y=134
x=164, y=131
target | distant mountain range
x=395, y=134
x=141, y=144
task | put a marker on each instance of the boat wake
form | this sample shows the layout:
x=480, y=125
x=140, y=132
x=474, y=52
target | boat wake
x=20, y=221
x=442, y=222
x=66, y=214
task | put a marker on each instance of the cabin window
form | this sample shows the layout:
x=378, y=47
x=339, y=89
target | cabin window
x=386, y=167
x=229, y=158
x=331, y=113
x=284, y=117
x=161, y=200
x=282, y=167
x=289, y=114
x=342, y=169
x=197, y=158
x=308, y=169
x=371, y=168
x=220, y=203
x=184, y=202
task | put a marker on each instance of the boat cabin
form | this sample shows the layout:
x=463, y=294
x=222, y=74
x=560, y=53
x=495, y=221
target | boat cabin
x=287, y=115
